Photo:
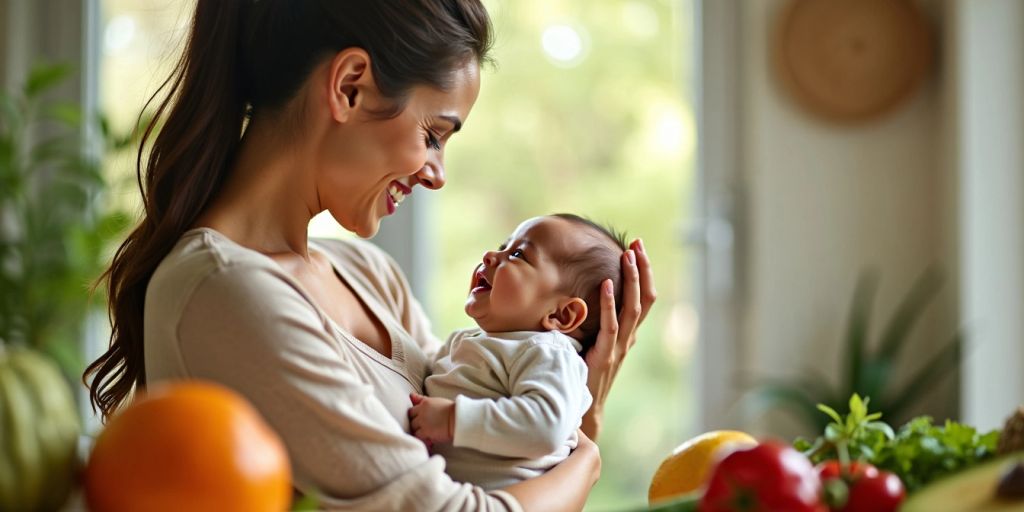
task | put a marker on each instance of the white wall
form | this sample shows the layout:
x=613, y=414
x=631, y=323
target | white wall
x=820, y=203
x=987, y=98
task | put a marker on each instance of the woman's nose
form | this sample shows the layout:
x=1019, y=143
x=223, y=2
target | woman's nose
x=432, y=175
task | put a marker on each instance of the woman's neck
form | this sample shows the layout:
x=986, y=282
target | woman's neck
x=269, y=197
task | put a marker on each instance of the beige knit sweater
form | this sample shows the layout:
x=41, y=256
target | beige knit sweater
x=216, y=310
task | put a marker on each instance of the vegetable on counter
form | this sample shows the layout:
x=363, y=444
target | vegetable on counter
x=769, y=476
x=919, y=453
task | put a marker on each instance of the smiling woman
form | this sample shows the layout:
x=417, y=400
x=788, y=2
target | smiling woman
x=275, y=112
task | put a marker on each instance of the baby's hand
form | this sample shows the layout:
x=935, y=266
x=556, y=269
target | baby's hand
x=432, y=419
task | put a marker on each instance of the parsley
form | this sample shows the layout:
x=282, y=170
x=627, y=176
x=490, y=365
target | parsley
x=919, y=453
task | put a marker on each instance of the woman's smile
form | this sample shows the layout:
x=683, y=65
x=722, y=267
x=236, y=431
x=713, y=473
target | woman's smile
x=395, y=194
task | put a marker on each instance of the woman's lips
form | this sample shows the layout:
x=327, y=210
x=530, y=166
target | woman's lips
x=395, y=194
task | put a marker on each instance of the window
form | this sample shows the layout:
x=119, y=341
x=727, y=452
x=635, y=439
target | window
x=587, y=111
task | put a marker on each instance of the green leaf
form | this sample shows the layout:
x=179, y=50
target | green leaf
x=43, y=77
x=833, y=433
x=831, y=413
x=858, y=408
x=940, y=366
x=907, y=314
x=858, y=325
x=308, y=501
x=66, y=113
x=881, y=426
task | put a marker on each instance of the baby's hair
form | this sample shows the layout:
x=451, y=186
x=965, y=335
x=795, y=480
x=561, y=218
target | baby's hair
x=586, y=269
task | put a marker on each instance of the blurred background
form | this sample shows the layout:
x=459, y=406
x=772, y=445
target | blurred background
x=802, y=193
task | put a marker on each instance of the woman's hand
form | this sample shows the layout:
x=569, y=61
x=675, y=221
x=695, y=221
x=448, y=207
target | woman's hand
x=618, y=334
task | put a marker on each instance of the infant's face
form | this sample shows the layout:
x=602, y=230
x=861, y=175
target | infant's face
x=515, y=287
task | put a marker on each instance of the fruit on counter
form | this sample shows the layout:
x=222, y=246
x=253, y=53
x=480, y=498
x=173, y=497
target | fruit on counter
x=188, y=445
x=832, y=469
x=38, y=432
x=859, y=487
x=1012, y=437
x=687, y=468
x=973, y=490
x=769, y=476
x=1011, y=484
x=686, y=503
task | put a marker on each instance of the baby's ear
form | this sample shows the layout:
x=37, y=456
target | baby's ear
x=568, y=315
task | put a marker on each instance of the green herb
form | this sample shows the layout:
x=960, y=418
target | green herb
x=919, y=453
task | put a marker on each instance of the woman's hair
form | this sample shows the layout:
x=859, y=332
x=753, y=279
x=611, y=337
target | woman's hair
x=255, y=54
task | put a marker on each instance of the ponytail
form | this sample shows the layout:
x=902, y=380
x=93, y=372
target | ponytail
x=186, y=165
x=254, y=54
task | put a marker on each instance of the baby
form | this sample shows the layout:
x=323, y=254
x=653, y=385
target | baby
x=506, y=398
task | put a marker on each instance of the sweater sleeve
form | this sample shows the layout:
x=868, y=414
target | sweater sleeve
x=548, y=396
x=250, y=330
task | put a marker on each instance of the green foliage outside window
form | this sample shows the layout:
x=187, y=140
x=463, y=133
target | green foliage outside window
x=609, y=136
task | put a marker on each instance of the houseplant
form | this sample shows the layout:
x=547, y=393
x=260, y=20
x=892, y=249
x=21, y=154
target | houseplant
x=54, y=230
x=867, y=367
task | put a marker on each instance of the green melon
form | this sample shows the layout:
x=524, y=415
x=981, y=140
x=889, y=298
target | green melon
x=971, y=490
x=38, y=432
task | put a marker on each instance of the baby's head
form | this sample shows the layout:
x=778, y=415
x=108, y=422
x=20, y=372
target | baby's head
x=547, y=277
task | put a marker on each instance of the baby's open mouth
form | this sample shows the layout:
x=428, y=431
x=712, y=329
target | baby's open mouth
x=481, y=284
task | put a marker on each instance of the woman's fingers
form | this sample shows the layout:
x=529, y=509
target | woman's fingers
x=647, y=292
x=602, y=351
x=629, y=317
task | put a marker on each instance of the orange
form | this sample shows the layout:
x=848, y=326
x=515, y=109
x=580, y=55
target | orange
x=192, y=446
x=689, y=465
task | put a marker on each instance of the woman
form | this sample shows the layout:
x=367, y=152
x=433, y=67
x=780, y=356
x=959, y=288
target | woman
x=350, y=106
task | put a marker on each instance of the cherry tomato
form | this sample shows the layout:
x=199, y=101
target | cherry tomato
x=831, y=469
x=879, y=493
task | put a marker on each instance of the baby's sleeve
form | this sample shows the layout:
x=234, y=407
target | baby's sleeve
x=548, y=397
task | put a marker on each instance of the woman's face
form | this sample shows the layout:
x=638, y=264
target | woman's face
x=370, y=164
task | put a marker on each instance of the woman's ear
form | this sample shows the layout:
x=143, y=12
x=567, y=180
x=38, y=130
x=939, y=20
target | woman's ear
x=350, y=77
x=568, y=315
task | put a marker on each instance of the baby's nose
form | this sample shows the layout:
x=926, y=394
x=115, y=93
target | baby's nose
x=490, y=258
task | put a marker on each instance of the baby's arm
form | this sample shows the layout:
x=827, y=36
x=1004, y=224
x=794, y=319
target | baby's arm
x=548, y=388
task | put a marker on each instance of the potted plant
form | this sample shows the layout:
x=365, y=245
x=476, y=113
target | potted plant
x=867, y=368
x=54, y=230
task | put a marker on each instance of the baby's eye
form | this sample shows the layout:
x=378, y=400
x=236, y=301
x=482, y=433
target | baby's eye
x=518, y=253
x=502, y=247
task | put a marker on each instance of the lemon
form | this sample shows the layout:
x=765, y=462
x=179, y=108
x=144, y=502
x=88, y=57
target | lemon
x=687, y=468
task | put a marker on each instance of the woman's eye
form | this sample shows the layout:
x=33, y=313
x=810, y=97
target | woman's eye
x=433, y=142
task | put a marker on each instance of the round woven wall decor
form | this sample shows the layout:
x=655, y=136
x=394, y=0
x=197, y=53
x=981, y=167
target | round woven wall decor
x=852, y=60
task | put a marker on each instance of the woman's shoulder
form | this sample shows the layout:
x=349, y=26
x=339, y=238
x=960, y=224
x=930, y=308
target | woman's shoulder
x=201, y=254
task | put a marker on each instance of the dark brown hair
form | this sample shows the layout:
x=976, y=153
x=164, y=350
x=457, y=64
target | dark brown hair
x=255, y=54
x=587, y=268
